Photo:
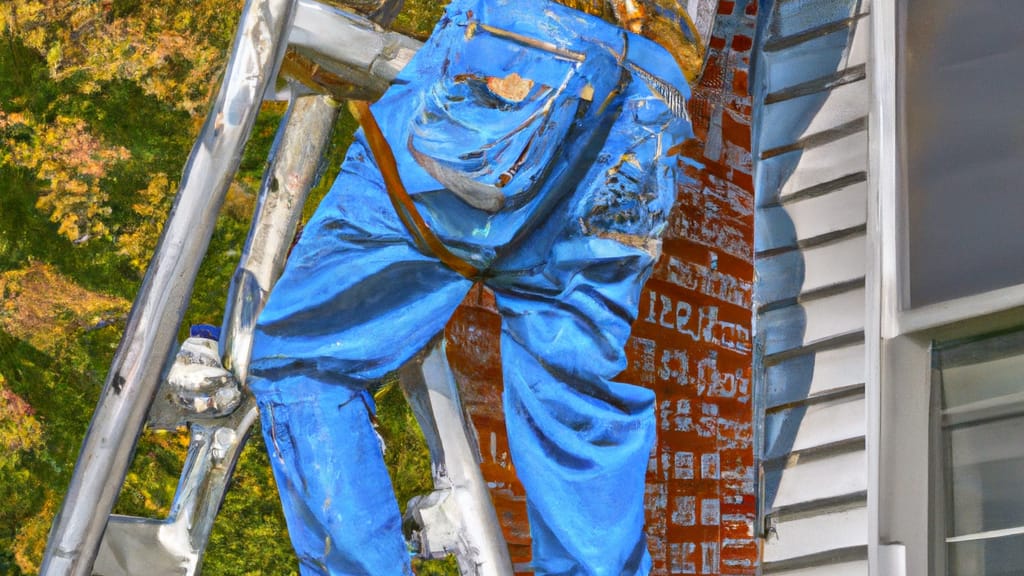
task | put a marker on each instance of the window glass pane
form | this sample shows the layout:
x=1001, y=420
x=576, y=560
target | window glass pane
x=989, y=370
x=1000, y=557
x=998, y=380
x=981, y=385
x=963, y=120
x=984, y=476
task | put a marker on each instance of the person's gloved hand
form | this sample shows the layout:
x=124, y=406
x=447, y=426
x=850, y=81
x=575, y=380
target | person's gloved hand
x=199, y=382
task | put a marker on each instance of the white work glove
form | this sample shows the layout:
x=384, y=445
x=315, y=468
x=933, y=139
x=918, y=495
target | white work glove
x=198, y=381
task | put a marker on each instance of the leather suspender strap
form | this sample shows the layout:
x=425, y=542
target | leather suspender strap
x=382, y=153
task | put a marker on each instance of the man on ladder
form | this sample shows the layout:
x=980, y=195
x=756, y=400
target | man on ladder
x=528, y=147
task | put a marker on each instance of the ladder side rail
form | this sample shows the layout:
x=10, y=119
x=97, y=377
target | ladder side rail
x=295, y=166
x=285, y=189
x=175, y=546
x=159, y=308
x=459, y=516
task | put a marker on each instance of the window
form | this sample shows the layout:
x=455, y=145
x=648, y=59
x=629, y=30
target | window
x=947, y=130
x=963, y=146
x=979, y=386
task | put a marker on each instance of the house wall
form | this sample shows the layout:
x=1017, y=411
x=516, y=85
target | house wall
x=811, y=148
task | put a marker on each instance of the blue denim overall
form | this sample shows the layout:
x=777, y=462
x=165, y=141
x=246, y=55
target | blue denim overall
x=535, y=141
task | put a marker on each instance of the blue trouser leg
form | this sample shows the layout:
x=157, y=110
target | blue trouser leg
x=579, y=440
x=336, y=524
x=355, y=302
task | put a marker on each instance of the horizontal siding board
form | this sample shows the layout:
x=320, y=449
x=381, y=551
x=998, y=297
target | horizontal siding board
x=821, y=164
x=816, y=534
x=835, y=315
x=783, y=329
x=802, y=427
x=784, y=226
x=780, y=430
x=812, y=321
x=818, y=57
x=857, y=568
x=784, y=123
x=778, y=277
x=792, y=17
x=770, y=174
x=788, y=274
x=808, y=375
x=829, y=166
x=821, y=478
x=773, y=229
x=844, y=104
x=831, y=422
x=835, y=263
x=860, y=45
x=787, y=122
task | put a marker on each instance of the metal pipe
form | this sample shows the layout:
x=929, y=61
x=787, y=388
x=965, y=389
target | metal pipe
x=158, y=309
x=295, y=167
x=487, y=553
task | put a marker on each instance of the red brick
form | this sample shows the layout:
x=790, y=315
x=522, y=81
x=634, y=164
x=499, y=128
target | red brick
x=743, y=180
x=741, y=43
x=740, y=85
x=736, y=131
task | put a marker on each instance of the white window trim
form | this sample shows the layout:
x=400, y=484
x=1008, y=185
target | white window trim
x=901, y=455
x=935, y=316
x=882, y=192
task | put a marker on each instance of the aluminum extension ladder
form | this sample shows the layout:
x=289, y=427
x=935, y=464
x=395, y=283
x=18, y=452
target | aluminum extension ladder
x=339, y=55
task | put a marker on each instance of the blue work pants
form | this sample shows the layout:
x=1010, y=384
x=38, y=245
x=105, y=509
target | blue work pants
x=359, y=298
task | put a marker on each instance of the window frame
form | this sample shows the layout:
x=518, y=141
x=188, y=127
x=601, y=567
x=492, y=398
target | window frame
x=901, y=317
x=903, y=441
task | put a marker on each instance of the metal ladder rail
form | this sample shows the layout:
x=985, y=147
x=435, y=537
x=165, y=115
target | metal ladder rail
x=176, y=545
x=458, y=516
x=158, y=310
